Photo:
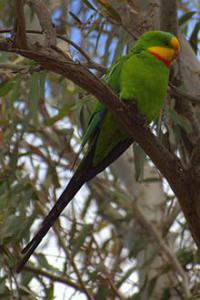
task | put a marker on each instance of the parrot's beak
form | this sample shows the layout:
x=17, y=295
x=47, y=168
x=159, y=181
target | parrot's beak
x=176, y=46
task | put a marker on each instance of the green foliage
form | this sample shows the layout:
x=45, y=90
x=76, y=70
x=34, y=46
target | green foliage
x=99, y=248
x=188, y=21
x=186, y=17
x=194, y=38
x=140, y=159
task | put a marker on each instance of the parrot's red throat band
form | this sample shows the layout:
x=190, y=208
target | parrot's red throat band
x=168, y=63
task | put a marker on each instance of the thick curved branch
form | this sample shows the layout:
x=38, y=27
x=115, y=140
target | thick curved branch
x=168, y=164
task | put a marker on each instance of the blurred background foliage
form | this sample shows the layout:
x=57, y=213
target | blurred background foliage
x=97, y=248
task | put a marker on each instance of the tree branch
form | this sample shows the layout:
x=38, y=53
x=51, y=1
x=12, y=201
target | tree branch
x=154, y=233
x=61, y=278
x=168, y=16
x=20, y=26
x=168, y=164
x=44, y=17
x=90, y=63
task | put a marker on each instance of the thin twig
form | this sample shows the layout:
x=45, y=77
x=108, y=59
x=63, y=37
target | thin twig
x=56, y=278
x=90, y=63
x=153, y=232
x=151, y=229
x=19, y=68
x=66, y=250
x=107, y=274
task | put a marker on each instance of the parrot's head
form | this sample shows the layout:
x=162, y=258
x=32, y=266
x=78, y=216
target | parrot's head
x=163, y=45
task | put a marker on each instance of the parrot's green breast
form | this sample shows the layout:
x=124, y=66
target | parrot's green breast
x=144, y=80
x=141, y=78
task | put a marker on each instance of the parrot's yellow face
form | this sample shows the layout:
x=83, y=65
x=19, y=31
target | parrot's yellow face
x=168, y=53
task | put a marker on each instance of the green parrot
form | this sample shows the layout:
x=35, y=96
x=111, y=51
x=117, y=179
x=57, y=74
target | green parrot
x=141, y=76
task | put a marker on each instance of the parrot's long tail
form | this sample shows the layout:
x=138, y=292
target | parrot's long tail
x=84, y=173
x=67, y=195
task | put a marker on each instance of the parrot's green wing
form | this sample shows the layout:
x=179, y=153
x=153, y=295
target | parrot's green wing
x=94, y=123
x=113, y=75
x=112, y=78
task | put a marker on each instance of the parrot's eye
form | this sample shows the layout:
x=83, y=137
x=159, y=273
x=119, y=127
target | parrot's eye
x=167, y=45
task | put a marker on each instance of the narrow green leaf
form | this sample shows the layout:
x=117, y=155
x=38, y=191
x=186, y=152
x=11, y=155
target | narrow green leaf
x=3, y=289
x=150, y=180
x=140, y=158
x=111, y=11
x=63, y=112
x=103, y=290
x=42, y=78
x=186, y=256
x=2, y=4
x=6, y=87
x=135, y=246
x=151, y=285
x=194, y=37
x=75, y=18
x=89, y=4
x=15, y=91
x=186, y=17
x=86, y=207
x=42, y=261
x=26, y=278
x=49, y=292
x=81, y=238
x=181, y=121
x=34, y=96
x=166, y=294
x=124, y=277
x=14, y=225
x=136, y=296
x=14, y=158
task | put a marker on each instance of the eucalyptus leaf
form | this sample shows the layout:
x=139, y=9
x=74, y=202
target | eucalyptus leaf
x=6, y=87
x=34, y=96
x=194, y=38
x=80, y=239
x=186, y=17
x=89, y=4
x=139, y=159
